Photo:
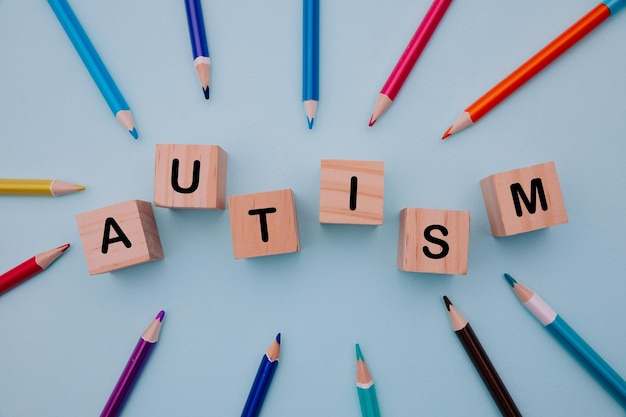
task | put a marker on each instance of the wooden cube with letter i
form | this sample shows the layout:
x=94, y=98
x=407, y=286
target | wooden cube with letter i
x=119, y=236
x=523, y=200
x=352, y=192
x=190, y=176
x=263, y=224
x=433, y=241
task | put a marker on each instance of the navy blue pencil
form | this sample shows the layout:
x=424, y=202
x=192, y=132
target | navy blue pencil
x=310, y=58
x=199, y=47
x=262, y=380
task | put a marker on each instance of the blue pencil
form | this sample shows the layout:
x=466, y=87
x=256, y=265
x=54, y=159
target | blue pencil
x=310, y=58
x=262, y=380
x=570, y=340
x=94, y=64
x=199, y=47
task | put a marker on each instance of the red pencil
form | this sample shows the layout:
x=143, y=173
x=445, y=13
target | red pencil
x=30, y=268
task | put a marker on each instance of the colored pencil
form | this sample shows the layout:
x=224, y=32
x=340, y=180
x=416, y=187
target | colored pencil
x=94, y=64
x=310, y=58
x=365, y=387
x=575, y=344
x=30, y=268
x=133, y=367
x=409, y=57
x=481, y=361
x=535, y=64
x=262, y=380
x=199, y=46
x=37, y=187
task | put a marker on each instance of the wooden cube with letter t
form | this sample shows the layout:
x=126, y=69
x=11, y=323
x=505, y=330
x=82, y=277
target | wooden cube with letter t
x=263, y=224
x=351, y=192
x=119, y=236
x=523, y=200
x=433, y=241
x=190, y=176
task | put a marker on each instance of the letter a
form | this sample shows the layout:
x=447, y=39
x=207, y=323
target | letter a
x=107, y=240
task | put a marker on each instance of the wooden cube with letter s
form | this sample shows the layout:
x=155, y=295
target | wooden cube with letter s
x=433, y=241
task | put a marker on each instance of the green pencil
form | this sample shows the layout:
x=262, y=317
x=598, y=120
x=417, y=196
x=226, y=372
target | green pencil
x=365, y=387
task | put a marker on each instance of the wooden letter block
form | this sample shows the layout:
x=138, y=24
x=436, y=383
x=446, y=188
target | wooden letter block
x=263, y=224
x=190, y=176
x=524, y=199
x=352, y=192
x=434, y=241
x=119, y=236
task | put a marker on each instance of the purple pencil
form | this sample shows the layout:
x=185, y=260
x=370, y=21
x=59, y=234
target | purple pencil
x=133, y=368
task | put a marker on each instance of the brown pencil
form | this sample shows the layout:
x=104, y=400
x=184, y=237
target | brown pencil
x=481, y=361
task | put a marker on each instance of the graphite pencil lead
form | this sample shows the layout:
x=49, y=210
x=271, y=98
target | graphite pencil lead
x=206, y=92
x=448, y=302
x=510, y=279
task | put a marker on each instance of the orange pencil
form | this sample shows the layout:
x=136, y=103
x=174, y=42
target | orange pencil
x=30, y=268
x=530, y=68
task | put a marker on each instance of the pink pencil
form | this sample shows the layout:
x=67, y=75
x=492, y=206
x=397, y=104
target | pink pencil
x=409, y=57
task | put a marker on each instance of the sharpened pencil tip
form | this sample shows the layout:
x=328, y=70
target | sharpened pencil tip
x=359, y=354
x=64, y=247
x=372, y=120
x=206, y=93
x=278, y=338
x=310, y=122
x=447, y=133
x=134, y=133
x=448, y=302
x=510, y=279
x=160, y=316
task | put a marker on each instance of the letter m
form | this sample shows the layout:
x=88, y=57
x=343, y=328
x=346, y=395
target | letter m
x=536, y=189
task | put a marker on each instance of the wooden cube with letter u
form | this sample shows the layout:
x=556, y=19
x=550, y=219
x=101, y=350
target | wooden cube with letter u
x=523, y=200
x=433, y=241
x=119, y=236
x=190, y=176
x=263, y=224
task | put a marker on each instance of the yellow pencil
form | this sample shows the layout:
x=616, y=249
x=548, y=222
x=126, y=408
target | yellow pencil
x=37, y=187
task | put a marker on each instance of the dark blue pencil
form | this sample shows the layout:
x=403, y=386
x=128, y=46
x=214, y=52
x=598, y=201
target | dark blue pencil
x=262, y=379
x=199, y=47
x=310, y=58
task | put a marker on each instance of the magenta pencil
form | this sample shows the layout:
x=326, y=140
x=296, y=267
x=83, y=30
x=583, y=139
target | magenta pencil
x=409, y=57
x=133, y=368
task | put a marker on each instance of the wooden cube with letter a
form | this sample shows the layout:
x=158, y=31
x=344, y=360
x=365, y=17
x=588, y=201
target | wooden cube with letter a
x=523, y=200
x=190, y=176
x=352, y=192
x=119, y=236
x=263, y=224
x=433, y=241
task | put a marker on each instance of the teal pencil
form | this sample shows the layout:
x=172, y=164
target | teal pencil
x=365, y=387
x=575, y=344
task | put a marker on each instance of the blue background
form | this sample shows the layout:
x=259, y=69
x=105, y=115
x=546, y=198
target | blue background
x=65, y=335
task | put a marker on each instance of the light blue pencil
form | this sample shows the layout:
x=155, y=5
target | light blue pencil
x=310, y=58
x=94, y=64
x=571, y=340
